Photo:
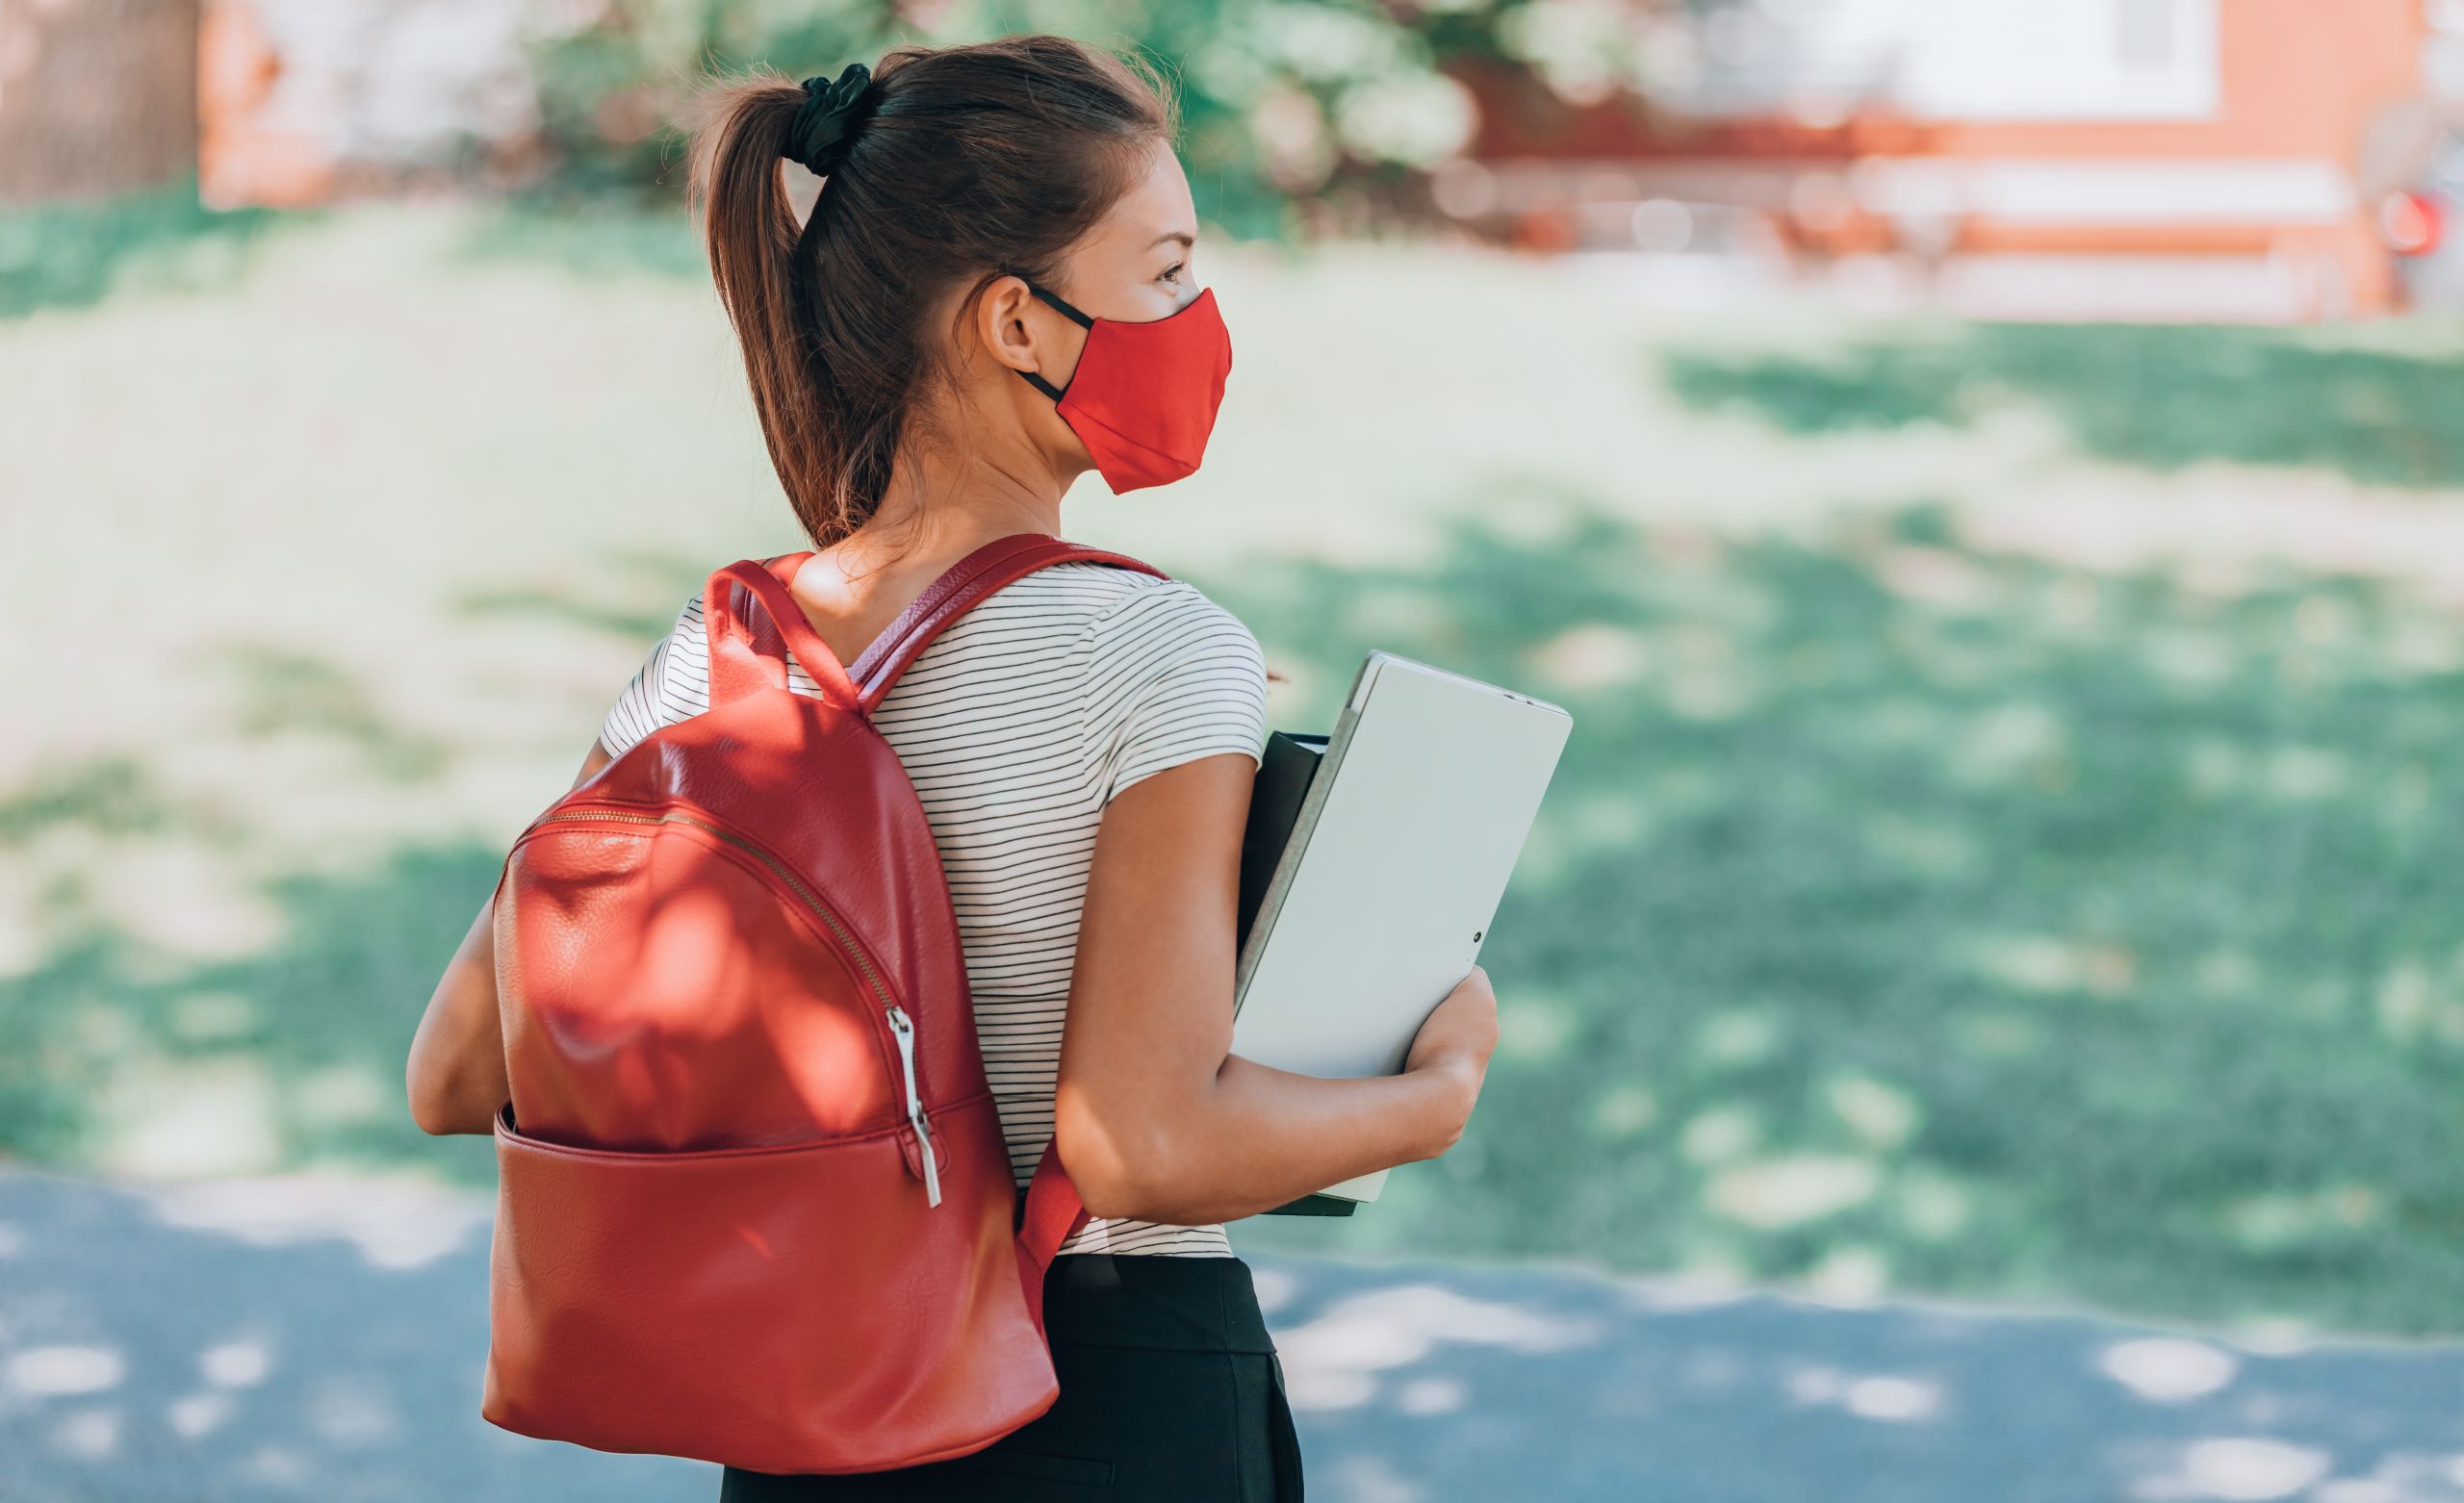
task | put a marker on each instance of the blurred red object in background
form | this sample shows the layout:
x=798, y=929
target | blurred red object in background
x=2411, y=224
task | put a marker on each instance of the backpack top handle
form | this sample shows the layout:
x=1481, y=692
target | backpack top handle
x=739, y=664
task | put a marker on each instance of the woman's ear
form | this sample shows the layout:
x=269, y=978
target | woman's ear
x=1002, y=324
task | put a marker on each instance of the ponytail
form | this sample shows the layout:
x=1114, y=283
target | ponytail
x=760, y=265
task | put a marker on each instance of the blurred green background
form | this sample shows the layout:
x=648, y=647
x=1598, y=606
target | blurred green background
x=2008, y=846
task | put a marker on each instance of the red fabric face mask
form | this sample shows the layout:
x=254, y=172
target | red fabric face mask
x=1143, y=396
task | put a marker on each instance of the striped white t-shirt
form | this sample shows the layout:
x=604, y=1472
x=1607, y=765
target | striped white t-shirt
x=1016, y=726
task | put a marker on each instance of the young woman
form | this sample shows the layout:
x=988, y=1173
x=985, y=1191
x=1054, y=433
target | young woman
x=1083, y=740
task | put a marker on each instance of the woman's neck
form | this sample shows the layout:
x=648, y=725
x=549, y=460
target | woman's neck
x=944, y=507
x=932, y=516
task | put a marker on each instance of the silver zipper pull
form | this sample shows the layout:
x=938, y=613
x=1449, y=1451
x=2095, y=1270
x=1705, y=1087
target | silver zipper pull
x=902, y=1029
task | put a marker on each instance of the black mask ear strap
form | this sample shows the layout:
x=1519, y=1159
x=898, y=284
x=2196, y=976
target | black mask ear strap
x=1054, y=298
x=1072, y=314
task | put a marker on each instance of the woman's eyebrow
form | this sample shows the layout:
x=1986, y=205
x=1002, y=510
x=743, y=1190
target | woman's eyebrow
x=1186, y=238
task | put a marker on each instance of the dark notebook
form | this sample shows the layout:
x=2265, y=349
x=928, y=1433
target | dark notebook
x=1284, y=771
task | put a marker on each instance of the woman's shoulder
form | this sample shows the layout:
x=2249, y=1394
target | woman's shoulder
x=1095, y=586
x=1142, y=616
x=1110, y=606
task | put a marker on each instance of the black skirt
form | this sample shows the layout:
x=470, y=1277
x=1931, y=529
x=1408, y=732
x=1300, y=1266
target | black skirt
x=1169, y=1390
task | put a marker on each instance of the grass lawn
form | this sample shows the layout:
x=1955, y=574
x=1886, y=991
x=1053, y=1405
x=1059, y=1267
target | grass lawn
x=2008, y=846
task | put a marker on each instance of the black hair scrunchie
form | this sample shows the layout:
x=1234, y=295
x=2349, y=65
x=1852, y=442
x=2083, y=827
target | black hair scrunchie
x=825, y=124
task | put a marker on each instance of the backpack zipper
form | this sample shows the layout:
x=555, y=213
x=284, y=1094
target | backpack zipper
x=902, y=1026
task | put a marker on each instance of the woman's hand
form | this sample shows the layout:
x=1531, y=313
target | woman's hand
x=1455, y=1040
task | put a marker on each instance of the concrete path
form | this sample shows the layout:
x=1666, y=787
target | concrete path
x=321, y=1338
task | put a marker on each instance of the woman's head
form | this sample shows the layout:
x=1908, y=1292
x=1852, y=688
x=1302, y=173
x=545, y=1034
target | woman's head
x=868, y=327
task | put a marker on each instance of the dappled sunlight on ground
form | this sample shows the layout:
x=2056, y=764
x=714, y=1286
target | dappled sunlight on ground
x=1937, y=930
x=405, y=1225
x=1334, y=1360
x=2378, y=404
x=261, y=1345
x=286, y=1336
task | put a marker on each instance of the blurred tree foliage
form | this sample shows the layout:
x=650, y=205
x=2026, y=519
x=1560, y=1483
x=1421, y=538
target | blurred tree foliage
x=1331, y=101
x=71, y=255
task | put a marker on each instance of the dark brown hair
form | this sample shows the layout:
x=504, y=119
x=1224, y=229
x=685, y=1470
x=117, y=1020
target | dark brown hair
x=975, y=158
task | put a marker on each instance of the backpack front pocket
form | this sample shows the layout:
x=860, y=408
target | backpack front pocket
x=777, y=1309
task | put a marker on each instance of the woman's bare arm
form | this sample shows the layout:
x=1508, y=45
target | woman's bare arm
x=1157, y=1119
x=456, y=1071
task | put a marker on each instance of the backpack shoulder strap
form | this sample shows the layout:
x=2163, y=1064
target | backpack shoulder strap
x=960, y=588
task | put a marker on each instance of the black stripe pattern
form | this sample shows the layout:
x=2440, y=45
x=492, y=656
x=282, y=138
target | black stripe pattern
x=1016, y=726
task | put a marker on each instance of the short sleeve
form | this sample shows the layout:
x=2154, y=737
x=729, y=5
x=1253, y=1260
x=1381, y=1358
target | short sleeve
x=1172, y=678
x=647, y=705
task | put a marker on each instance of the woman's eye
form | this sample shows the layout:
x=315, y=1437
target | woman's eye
x=1173, y=276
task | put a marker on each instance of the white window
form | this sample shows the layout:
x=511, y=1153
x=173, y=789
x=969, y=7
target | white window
x=1997, y=59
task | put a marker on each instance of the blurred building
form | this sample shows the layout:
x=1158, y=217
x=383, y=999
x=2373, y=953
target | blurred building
x=2218, y=159
x=2155, y=158
x=300, y=101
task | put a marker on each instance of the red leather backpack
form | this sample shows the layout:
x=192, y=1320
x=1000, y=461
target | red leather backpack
x=753, y=1203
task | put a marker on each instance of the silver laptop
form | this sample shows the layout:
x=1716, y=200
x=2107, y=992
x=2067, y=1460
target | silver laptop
x=1395, y=863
